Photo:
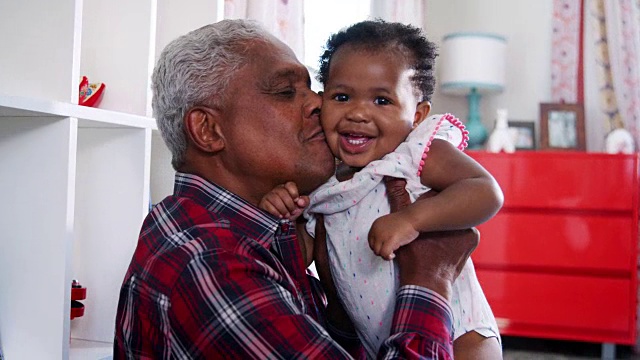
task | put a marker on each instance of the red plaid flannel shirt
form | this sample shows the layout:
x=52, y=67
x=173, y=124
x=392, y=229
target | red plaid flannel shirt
x=215, y=277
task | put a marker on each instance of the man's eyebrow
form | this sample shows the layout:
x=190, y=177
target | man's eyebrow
x=288, y=74
x=278, y=77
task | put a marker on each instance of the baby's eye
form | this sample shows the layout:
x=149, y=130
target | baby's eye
x=381, y=101
x=341, y=97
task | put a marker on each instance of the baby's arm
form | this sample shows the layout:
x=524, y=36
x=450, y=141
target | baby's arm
x=284, y=201
x=467, y=196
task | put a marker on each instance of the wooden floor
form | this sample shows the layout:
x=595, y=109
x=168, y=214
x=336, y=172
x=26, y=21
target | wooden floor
x=528, y=349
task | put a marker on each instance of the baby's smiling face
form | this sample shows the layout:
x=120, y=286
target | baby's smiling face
x=369, y=104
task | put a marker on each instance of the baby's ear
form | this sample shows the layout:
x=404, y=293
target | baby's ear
x=422, y=111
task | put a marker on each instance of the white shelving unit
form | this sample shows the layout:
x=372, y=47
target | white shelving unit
x=77, y=181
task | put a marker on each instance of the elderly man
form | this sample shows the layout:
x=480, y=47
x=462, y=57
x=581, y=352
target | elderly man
x=215, y=277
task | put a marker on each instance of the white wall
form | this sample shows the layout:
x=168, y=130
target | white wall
x=170, y=25
x=171, y=15
x=527, y=25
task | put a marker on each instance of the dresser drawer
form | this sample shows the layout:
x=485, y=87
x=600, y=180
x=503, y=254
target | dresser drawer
x=559, y=260
x=557, y=241
x=577, y=304
x=564, y=180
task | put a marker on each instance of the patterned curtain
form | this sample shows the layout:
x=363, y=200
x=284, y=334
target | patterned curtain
x=283, y=18
x=565, y=61
x=620, y=34
x=596, y=61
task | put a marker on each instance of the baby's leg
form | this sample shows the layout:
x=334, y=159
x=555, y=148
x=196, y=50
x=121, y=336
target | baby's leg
x=476, y=331
x=473, y=346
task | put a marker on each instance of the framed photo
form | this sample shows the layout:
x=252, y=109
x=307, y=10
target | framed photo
x=562, y=127
x=524, y=134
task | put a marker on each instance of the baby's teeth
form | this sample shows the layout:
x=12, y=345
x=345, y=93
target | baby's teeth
x=356, y=142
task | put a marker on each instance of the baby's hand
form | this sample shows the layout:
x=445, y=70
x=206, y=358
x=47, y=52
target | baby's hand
x=284, y=202
x=390, y=232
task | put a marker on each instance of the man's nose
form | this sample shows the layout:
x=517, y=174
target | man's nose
x=313, y=103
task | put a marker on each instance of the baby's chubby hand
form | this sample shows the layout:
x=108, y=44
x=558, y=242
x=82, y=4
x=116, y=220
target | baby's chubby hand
x=390, y=232
x=284, y=201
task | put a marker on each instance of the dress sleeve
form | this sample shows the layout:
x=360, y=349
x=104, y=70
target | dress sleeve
x=445, y=127
x=310, y=225
x=451, y=129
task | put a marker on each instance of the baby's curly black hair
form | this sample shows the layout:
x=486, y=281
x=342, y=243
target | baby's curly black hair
x=379, y=35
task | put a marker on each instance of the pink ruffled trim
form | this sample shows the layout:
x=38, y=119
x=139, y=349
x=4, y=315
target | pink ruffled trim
x=455, y=122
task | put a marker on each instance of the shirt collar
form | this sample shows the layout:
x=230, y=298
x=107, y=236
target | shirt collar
x=248, y=219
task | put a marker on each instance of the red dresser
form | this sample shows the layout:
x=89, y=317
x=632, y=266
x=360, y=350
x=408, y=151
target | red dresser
x=559, y=260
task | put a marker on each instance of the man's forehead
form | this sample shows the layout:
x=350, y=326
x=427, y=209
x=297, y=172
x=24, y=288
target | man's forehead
x=283, y=70
x=274, y=54
x=271, y=62
x=290, y=72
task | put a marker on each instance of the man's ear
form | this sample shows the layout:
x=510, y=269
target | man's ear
x=202, y=126
x=422, y=111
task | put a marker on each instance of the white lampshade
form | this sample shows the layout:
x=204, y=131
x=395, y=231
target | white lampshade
x=472, y=60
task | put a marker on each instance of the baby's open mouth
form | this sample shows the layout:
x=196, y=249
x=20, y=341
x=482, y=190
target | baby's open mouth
x=355, y=143
x=356, y=139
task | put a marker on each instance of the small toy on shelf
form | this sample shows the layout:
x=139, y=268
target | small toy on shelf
x=90, y=93
x=78, y=292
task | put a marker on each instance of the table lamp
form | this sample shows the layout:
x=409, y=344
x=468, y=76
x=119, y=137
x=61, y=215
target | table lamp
x=473, y=64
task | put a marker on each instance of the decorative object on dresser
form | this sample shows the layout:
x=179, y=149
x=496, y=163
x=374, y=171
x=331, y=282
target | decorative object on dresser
x=560, y=260
x=562, y=127
x=473, y=64
x=620, y=141
x=501, y=138
x=524, y=134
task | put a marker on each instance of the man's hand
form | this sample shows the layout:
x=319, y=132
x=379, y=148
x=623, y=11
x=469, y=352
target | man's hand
x=434, y=260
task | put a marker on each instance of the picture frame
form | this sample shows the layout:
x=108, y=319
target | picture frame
x=562, y=127
x=524, y=134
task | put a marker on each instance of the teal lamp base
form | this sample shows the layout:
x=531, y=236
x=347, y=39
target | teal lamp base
x=477, y=131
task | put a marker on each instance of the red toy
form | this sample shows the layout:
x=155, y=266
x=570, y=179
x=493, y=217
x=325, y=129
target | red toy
x=77, y=293
x=90, y=93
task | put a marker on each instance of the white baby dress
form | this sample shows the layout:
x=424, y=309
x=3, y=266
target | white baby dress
x=367, y=283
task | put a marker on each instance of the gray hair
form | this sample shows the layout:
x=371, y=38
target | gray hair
x=195, y=69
